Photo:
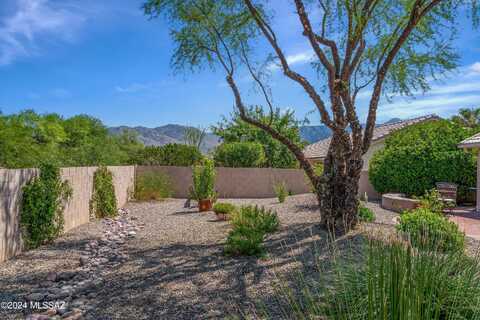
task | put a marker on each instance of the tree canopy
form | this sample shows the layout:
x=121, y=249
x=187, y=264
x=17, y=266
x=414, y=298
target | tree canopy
x=277, y=155
x=28, y=139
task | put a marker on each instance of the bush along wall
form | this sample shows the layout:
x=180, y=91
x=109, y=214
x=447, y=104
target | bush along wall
x=43, y=201
x=416, y=158
x=104, y=201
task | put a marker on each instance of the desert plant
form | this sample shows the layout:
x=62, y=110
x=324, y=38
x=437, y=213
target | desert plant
x=365, y=214
x=203, y=187
x=224, y=208
x=152, y=186
x=250, y=225
x=239, y=155
x=43, y=201
x=104, y=201
x=281, y=191
x=390, y=280
x=432, y=201
x=430, y=230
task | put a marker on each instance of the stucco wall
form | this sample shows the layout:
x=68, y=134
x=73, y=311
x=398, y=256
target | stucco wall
x=76, y=211
x=235, y=182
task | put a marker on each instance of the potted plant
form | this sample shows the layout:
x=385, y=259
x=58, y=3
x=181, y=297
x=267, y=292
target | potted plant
x=224, y=210
x=203, y=185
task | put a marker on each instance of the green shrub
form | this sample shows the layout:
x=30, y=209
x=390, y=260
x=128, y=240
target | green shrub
x=389, y=281
x=432, y=231
x=203, y=181
x=104, y=201
x=225, y=208
x=239, y=155
x=152, y=186
x=42, y=207
x=173, y=154
x=432, y=201
x=416, y=158
x=281, y=192
x=250, y=225
x=365, y=214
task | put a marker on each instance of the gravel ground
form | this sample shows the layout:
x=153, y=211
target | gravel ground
x=176, y=268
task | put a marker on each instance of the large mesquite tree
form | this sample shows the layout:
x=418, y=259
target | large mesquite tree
x=380, y=46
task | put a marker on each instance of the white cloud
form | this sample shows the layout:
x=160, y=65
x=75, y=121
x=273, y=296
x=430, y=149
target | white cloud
x=295, y=59
x=60, y=93
x=137, y=87
x=475, y=68
x=33, y=19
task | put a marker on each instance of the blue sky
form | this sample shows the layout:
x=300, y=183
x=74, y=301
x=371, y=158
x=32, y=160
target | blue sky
x=106, y=59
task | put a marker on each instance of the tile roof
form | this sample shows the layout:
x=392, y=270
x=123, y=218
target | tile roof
x=319, y=149
x=473, y=141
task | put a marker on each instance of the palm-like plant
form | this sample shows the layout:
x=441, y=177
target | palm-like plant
x=469, y=118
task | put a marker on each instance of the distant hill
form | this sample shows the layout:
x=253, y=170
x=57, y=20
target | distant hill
x=170, y=133
x=174, y=133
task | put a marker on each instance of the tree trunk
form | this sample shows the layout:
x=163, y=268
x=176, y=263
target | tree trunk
x=337, y=190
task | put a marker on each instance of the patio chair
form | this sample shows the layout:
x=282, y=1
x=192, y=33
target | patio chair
x=448, y=193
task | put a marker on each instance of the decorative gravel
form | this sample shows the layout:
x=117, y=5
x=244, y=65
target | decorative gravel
x=164, y=261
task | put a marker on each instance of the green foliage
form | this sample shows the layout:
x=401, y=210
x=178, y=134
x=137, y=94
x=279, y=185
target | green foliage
x=43, y=202
x=250, y=225
x=28, y=139
x=194, y=136
x=203, y=181
x=365, y=214
x=281, y=191
x=225, y=208
x=173, y=154
x=431, y=231
x=468, y=118
x=152, y=186
x=276, y=154
x=240, y=155
x=416, y=158
x=104, y=201
x=431, y=201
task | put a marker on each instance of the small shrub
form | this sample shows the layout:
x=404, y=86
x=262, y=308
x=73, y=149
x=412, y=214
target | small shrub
x=42, y=207
x=152, y=186
x=225, y=208
x=281, y=192
x=203, y=181
x=432, y=201
x=104, y=201
x=240, y=155
x=250, y=225
x=365, y=214
x=431, y=231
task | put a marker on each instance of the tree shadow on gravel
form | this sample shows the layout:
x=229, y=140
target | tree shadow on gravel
x=196, y=281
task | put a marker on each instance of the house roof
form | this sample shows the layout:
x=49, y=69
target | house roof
x=472, y=142
x=320, y=149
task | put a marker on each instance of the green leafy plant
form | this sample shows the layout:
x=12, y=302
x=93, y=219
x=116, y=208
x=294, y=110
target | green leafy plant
x=281, y=191
x=240, y=155
x=365, y=214
x=104, y=202
x=432, y=231
x=43, y=201
x=224, y=208
x=431, y=201
x=250, y=225
x=417, y=157
x=152, y=186
x=203, y=181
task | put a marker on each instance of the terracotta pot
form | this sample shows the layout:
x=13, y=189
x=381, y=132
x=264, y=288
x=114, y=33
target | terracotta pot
x=205, y=205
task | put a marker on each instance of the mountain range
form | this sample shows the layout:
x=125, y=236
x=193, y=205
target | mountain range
x=174, y=133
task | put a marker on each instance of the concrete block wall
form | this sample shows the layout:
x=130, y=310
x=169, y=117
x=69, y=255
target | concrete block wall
x=77, y=210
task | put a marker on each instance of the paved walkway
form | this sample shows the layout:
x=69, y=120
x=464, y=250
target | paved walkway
x=468, y=220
